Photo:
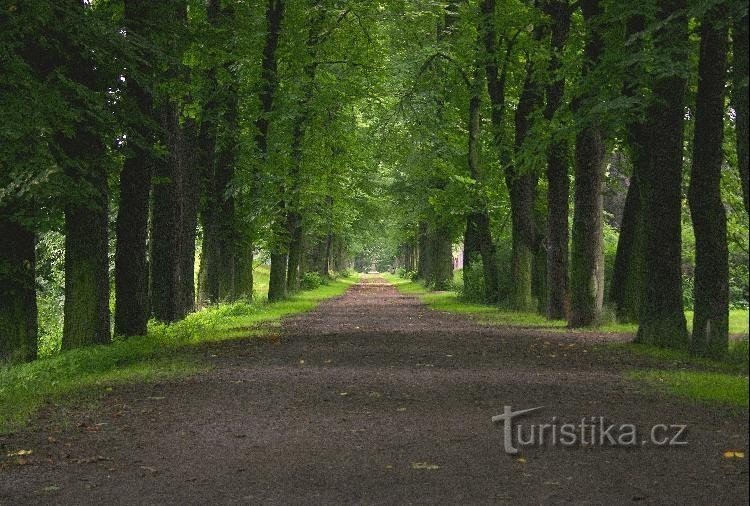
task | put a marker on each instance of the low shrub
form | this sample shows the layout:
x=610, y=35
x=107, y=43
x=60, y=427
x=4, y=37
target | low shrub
x=311, y=281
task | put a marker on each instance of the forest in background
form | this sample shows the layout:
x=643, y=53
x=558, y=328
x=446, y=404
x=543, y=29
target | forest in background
x=590, y=156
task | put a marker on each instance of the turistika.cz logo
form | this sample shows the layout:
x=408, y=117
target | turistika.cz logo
x=590, y=431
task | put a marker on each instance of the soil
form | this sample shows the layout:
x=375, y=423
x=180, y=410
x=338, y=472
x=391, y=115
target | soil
x=375, y=398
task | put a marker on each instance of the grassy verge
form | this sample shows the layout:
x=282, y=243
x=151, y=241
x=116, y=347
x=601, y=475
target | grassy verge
x=724, y=382
x=25, y=387
x=710, y=387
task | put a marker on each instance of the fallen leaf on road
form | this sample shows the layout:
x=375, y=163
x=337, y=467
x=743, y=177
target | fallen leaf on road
x=424, y=465
x=20, y=453
x=734, y=454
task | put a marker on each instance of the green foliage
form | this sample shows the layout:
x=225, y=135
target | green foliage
x=311, y=281
x=472, y=288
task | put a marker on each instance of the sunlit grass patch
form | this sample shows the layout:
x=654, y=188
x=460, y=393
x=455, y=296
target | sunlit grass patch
x=699, y=385
x=24, y=387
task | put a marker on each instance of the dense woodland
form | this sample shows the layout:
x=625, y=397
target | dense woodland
x=590, y=156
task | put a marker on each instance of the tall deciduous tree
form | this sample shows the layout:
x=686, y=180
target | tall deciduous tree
x=18, y=311
x=131, y=267
x=740, y=99
x=587, y=257
x=711, y=317
x=83, y=156
x=627, y=275
x=269, y=85
x=175, y=190
x=557, y=169
x=662, y=319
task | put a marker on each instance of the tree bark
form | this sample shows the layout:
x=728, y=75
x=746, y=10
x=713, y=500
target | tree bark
x=587, y=257
x=478, y=238
x=522, y=189
x=269, y=84
x=740, y=102
x=86, y=308
x=627, y=276
x=625, y=289
x=711, y=317
x=222, y=236
x=558, y=297
x=18, y=310
x=277, y=281
x=86, y=316
x=131, y=234
x=440, y=264
x=662, y=319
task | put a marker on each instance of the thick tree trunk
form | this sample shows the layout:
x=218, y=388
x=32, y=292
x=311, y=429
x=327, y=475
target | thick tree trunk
x=627, y=277
x=625, y=289
x=440, y=254
x=587, y=257
x=18, y=310
x=522, y=189
x=269, y=84
x=86, y=316
x=740, y=102
x=711, y=317
x=558, y=298
x=173, y=223
x=277, y=280
x=131, y=234
x=222, y=237
x=662, y=319
x=478, y=238
x=86, y=308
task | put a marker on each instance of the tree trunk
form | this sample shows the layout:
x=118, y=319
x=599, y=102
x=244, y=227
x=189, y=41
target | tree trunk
x=222, y=235
x=173, y=223
x=439, y=251
x=86, y=317
x=587, y=256
x=625, y=290
x=18, y=310
x=269, y=83
x=627, y=277
x=711, y=317
x=662, y=319
x=131, y=234
x=86, y=308
x=423, y=267
x=522, y=189
x=294, y=224
x=277, y=281
x=478, y=238
x=558, y=298
x=740, y=101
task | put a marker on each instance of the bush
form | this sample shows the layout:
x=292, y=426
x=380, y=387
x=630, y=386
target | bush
x=401, y=272
x=346, y=273
x=311, y=281
x=411, y=275
x=472, y=289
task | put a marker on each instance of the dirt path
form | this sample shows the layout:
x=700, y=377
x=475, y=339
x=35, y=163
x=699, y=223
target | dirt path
x=373, y=398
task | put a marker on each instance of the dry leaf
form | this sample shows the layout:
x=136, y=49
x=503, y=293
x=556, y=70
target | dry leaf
x=20, y=453
x=424, y=465
x=734, y=454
